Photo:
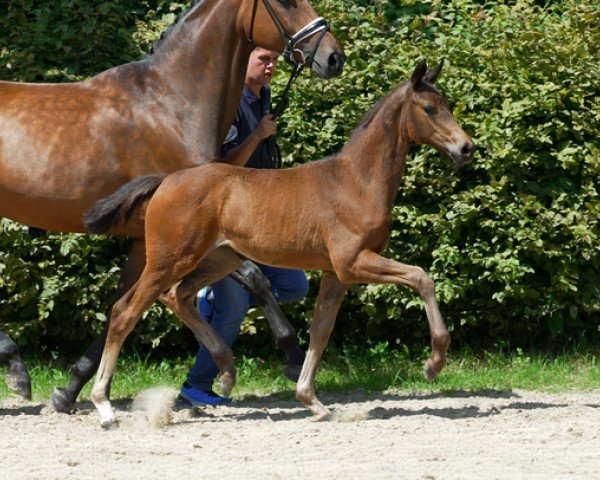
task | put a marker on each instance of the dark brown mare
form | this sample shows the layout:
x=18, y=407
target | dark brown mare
x=64, y=146
x=201, y=223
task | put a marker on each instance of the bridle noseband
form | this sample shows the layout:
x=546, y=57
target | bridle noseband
x=318, y=25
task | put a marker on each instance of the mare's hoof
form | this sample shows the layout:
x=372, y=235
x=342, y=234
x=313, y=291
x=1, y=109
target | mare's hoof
x=20, y=383
x=60, y=401
x=429, y=372
x=291, y=371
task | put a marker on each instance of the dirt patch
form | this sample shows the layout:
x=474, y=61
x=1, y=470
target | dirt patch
x=483, y=435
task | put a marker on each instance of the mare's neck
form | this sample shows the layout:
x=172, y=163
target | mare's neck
x=203, y=60
x=377, y=153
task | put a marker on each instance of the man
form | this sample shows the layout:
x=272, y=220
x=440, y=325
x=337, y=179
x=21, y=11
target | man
x=225, y=304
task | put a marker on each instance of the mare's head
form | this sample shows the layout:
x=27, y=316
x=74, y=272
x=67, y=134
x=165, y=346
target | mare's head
x=292, y=27
x=427, y=118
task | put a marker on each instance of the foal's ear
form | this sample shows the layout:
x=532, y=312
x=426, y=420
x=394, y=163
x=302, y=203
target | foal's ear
x=419, y=73
x=432, y=75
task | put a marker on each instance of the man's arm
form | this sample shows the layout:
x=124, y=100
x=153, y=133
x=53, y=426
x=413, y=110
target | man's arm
x=240, y=154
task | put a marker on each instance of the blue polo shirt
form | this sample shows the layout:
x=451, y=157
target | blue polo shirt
x=250, y=110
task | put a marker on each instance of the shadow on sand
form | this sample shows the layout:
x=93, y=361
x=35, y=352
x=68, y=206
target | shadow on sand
x=276, y=407
x=279, y=407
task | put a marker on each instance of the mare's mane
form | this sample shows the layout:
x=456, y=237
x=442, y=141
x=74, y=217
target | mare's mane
x=169, y=30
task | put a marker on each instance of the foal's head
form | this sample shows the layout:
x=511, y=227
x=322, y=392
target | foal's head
x=294, y=25
x=427, y=118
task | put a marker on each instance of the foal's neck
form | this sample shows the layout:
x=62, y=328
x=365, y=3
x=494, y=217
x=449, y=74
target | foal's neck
x=204, y=60
x=377, y=151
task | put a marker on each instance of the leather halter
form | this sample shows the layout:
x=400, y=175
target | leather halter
x=318, y=25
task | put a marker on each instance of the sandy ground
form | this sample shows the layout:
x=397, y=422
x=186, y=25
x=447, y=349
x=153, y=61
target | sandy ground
x=480, y=435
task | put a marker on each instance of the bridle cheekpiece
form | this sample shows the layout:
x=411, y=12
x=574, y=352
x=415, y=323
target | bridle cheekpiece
x=318, y=25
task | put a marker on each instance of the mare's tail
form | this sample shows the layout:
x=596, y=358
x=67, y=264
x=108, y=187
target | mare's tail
x=118, y=207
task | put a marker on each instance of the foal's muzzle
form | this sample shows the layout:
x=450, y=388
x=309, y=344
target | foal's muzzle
x=465, y=154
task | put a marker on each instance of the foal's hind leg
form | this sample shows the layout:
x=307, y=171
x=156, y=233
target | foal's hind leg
x=253, y=280
x=18, y=379
x=63, y=399
x=127, y=311
x=125, y=314
x=331, y=294
x=370, y=267
x=180, y=298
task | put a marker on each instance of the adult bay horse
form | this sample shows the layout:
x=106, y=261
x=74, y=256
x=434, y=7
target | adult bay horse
x=200, y=224
x=64, y=146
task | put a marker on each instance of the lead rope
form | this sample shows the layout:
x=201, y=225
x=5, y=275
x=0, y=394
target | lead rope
x=318, y=25
x=280, y=106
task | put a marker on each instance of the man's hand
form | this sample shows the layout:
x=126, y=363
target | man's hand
x=266, y=127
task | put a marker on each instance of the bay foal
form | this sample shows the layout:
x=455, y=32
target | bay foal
x=203, y=220
x=65, y=146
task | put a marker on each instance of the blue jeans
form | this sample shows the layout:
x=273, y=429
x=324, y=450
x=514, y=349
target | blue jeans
x=225, y=307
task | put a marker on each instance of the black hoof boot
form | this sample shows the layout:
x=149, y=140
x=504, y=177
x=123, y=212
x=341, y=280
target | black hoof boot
x=291, y=371
x=293, y=365
x=60, y=401
x=20, y=383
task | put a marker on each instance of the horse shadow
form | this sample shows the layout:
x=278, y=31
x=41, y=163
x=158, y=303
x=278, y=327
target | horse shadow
x=20, y=407
x=278, y=407
x=281, y=407
x=14, y=411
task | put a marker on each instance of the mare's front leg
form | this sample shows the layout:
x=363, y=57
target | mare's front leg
x=331, y=294
x=370, y=267
x=63, y=399
x=253, y=280
x=18, y=379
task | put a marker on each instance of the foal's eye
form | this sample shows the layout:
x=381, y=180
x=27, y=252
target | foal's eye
x=429, y=109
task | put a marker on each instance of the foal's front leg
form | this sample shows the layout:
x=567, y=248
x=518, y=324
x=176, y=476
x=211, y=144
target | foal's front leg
x=370, y=267
x=331, y=293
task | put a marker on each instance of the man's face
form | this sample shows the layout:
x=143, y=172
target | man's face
x=261, y=66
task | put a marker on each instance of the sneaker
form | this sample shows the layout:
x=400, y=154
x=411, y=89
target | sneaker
x=181, y=404
x=199, y=398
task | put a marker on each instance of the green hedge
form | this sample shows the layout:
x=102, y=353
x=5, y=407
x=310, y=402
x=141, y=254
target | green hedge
x=511, y=240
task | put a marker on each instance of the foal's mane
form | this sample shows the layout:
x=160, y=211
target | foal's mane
x=366, y=121
x=391, y=105
x=370, y=115
x=390, y=97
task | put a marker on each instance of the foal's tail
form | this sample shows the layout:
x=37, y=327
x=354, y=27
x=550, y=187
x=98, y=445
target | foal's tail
x=118, y=207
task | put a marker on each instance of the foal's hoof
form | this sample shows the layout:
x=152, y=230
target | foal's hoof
x=291, y=371
x=226, y=384
x=60, y=401
x=109, y=424
x=429, y=372
x=20, y=383
x=322, y=417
